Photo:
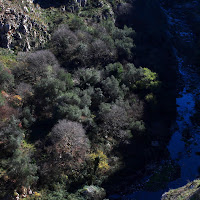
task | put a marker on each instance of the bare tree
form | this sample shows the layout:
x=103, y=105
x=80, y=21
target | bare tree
x=115, y=119
x=70, y=142
x=24, y=89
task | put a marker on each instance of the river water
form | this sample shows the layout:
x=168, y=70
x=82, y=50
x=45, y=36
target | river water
x=184, y=146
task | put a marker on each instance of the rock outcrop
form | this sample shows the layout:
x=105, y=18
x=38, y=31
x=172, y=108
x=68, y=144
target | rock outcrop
x=21, y=26
x=24, y=26
x=190, y=191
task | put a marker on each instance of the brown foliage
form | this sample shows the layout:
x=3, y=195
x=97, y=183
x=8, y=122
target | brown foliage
x=70, y=145
x=6, y=113
x=24, y=89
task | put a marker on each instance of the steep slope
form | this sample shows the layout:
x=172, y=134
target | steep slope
x=21, y=26
x=25, y=25
x=87, y=101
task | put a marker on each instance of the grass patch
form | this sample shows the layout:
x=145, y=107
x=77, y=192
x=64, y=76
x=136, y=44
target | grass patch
x=7, y=58
x=53, y=17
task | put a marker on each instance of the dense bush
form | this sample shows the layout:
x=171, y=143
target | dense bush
x=46, y=92
x=67, y=106
x=88, y=76
x=34, y=66
x=6, y=78
x=24, y=89
x=112, y=88
x=99, y=44
x=79, y=48
x=18, y=164
x=66, y=112
x=114, y=119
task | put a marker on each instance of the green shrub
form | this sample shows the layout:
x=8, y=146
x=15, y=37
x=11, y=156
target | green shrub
x=6, y=78
x=2, y=100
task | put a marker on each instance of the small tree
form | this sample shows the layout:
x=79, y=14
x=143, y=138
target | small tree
x=112, y=88
x=115, y=69
x=12, y=135
x=67, y=106
x=89, y=76
x=124, y=9
x=45, y=94
x=6, y=78
x=21, y=168
x=6, y=113
x=69, y=143
x=34, y=66
x=65, y=77
x=115, y=119
x=131, y=74
x=24, y=89
x=149, y=80
x=64, y=43
x=18, y=164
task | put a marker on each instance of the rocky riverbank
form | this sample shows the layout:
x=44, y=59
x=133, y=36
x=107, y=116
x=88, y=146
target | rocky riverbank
x=190, y=191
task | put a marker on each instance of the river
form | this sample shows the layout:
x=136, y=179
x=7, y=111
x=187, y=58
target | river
x=184, y=146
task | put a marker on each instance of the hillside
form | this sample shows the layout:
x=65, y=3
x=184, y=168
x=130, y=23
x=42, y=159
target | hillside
x=87, y=96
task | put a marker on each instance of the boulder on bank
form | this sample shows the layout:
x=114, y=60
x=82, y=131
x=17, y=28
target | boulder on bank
x=93, y=192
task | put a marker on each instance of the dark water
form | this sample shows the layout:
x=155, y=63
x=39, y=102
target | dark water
x=185, y=141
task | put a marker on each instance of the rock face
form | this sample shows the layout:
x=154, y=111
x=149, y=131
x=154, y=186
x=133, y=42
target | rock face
x=20, y=27
x=81, y=2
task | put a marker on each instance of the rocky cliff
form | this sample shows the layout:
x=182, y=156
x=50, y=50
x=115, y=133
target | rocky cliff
x=25, y=25
x=21, y=26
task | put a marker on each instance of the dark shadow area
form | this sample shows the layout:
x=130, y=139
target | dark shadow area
x=39, y=130
x=154, y=50
x=137, y=155
x=50, y=3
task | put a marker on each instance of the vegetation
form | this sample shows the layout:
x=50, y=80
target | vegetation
x=68, y=110
x=189, y=191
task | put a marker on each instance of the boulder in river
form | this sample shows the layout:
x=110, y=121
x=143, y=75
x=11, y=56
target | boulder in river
x=188, y=192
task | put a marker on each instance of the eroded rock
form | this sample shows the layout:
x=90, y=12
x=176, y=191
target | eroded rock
x=19, y=26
